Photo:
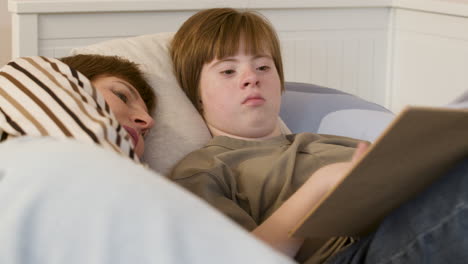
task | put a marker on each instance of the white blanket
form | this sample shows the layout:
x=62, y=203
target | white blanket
x=62, y=201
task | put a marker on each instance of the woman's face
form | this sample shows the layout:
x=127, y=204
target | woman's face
x=128, y=107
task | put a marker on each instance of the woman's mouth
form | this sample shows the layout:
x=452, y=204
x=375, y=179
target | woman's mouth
x=133, y=134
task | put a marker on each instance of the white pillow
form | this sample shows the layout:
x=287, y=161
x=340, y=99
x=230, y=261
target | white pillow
x=179, y=128
x=362, y=124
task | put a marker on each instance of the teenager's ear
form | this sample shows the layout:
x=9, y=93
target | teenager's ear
x=200, y=107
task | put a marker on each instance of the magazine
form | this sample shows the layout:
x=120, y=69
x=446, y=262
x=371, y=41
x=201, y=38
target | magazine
x=417, y=148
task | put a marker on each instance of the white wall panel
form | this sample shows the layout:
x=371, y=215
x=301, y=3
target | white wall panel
x=392, y=52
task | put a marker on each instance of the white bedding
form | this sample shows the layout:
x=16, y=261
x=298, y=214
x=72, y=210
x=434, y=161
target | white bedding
x=72, y=204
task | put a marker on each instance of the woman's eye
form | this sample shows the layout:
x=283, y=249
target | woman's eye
x=121, y=96
x=263, y=68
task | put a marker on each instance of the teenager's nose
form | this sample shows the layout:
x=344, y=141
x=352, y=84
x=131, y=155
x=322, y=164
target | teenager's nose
x=249, y=78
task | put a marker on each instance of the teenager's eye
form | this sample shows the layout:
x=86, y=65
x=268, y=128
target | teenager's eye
x=121, y=96
x=263, y=68
x=227, y=72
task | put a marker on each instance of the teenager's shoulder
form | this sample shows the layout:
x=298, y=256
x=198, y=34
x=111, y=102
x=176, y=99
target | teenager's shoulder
x=307, y=137
x=200, y=160
x=222, y=152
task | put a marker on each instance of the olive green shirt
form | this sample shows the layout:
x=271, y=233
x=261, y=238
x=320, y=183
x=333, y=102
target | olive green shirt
x=249, y=180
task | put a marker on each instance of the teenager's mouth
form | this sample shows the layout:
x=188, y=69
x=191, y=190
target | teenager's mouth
x=254, y=100
x=133, y=134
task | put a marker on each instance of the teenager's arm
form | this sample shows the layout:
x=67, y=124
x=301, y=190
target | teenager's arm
x=274, y=231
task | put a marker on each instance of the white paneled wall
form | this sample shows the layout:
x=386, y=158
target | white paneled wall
x=5, y=33
x=349, y=61
x=342, y=48
x=57, y=39
x=430, y=54
x=392, y=52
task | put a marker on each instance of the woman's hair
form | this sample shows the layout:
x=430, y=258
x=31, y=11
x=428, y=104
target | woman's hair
x=215, y=34
x=96, y=66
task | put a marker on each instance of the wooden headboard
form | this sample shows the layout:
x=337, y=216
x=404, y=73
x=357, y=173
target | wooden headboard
x=364, y=47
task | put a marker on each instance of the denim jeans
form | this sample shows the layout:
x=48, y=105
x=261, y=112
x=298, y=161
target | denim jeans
x=431, y=228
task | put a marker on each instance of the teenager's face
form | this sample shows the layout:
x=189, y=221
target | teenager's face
x=241, y=95
x=128, y=107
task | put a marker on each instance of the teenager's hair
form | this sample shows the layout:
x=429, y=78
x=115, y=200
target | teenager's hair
x=96, y=66
x=215, y=34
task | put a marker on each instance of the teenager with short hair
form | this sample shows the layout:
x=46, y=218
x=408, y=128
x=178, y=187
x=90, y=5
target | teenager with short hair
x=228, y=62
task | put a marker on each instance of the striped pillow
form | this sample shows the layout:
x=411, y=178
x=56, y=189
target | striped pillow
x=44, y=97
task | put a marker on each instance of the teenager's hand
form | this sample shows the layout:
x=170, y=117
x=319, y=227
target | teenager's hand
x=328, y=176
x=275, y=230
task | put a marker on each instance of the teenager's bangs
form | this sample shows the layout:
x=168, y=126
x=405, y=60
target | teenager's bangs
x=256, y=37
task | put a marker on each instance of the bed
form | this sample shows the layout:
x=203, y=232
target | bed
x=83, y=204
x=107, y=209
x=71, y=201
x=79, y=203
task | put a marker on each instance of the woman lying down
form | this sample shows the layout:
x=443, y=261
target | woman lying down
x=66, y=196
x=46, y=97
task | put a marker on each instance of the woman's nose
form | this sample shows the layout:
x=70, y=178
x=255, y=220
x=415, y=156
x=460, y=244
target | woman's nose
x=143, y=121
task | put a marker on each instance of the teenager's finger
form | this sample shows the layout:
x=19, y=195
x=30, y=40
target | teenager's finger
x=360, y=150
